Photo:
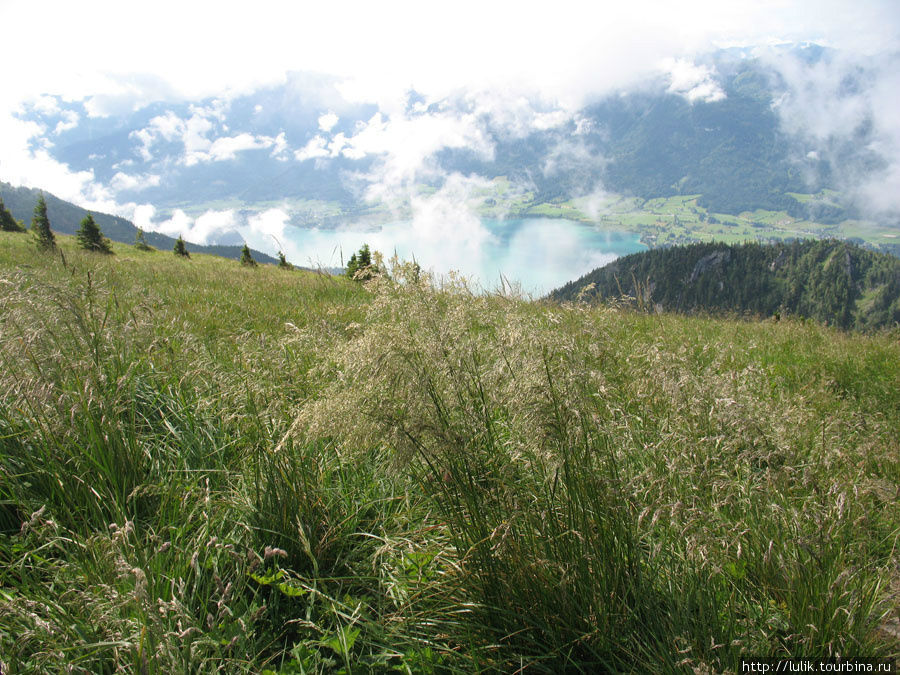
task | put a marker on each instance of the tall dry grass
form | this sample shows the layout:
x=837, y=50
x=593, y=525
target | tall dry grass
x=207, y=468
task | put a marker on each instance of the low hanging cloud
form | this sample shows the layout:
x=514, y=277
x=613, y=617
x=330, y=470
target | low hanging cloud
x=497, y=89
x=845, y=111
x=194, y=134
x=512, y=113
x=317, y=147
x=26, y=159
x=442, y=227
x=178, y=224
x=280, y=149
x=327, y=121
x=122, y=182
x=227, y=147
x=211, y=227
x=167, y=127
x=70, y=119
x=446, y=230
x=405, y=146
x=693, y=82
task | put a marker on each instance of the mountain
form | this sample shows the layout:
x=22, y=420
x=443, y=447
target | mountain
x=66, y=217
x=741, y=136
x=830, y=281
x=462, y=483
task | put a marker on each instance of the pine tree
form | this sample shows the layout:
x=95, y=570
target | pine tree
x=40, y=226
x=180, y=248
x=140, y=243
x=352, y=267
x=246, y=257
x=90, y=238
x=282, y=261
x=359, y=265
x=365, y=257
x=7, y=222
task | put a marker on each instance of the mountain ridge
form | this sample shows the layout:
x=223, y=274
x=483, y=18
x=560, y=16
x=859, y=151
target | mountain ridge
x=65, y=218
x=835, y=282
x=736, y=147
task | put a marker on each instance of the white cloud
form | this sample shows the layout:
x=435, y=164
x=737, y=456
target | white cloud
x=583, y=125
x=228, y=147
x=192, y=132
x=167, y=127
x=179, y=225
x=840, y=103
x=280, y=147
x=194, y=135
x=207, y=228
x=212, y=224
x=513, y=114
x=571, y=154
x=122, y=181
x=694, y=82
x=327, y=121
x=532, y=75
x=268, y=225
x=341, y=145
x=24, y=163
x=196, y=144
x=405, y=144
x=445, y=227
x=316, y=147
x=47, y=105
x=142, y=216
x=568, y=52
x=550, y=120
x=69, y=120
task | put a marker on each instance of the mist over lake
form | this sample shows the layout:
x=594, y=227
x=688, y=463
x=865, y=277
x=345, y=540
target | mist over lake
x=539, y=254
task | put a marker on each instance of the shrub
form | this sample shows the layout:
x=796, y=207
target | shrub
x=40, y=226
x=180, y=248
x=90, y=238
x=247, y=257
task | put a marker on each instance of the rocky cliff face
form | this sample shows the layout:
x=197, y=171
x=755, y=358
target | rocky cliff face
x=710, y=262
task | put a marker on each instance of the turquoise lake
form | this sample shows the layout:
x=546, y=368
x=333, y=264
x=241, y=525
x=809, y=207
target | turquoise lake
x=539, y=254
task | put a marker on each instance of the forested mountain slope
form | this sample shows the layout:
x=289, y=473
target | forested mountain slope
x=830, y=281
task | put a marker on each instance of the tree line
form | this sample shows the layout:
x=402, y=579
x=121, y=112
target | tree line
x=831, y=281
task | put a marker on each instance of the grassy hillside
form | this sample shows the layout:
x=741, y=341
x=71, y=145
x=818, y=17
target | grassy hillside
x=829, y=281
x=66, y=217
x=206, y=467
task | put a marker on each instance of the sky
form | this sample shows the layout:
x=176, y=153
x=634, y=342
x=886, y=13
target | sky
x=117, y=56
x=121, y=52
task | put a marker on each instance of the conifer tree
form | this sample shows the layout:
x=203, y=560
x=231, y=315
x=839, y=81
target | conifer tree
x=180, y=248
x=40, y=226
x=365, y=257
x=352, y=267
x=282, y=261
x=246, y=257
x=359, y=264
x=140, y=243
x=90, y=238
x=7, y=222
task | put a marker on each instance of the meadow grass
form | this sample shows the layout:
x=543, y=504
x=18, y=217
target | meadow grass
x=208, y=468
